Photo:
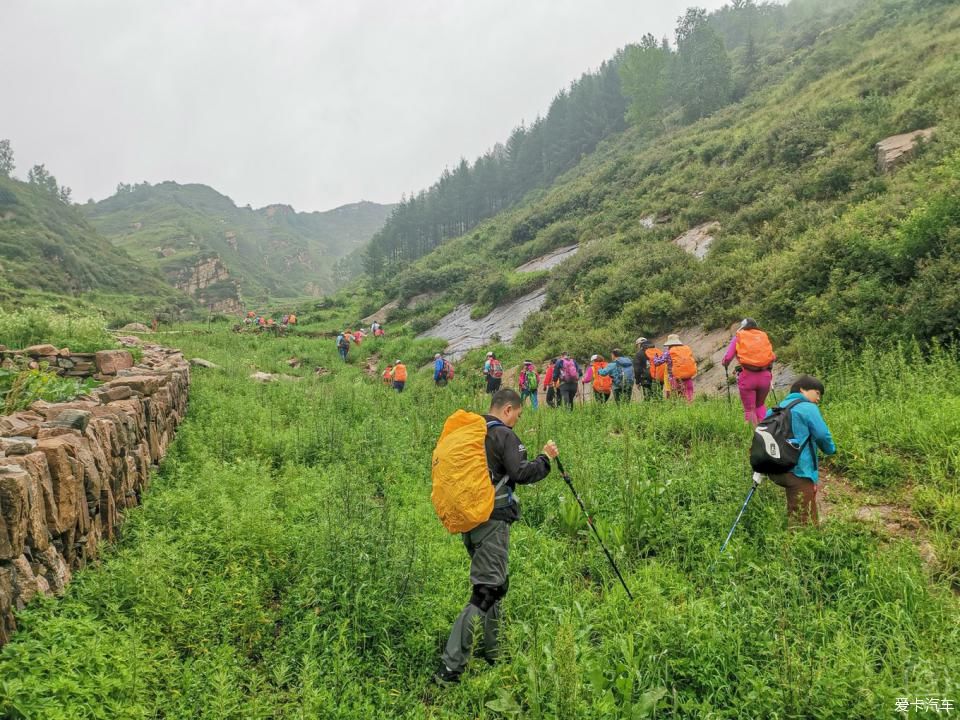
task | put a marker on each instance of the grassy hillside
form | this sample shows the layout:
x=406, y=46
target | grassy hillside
x=815, y=241
x=51, y=255
x=273, y=251
x=287, y=563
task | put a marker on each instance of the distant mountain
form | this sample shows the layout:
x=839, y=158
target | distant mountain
x=48, y=248
x=197, y=238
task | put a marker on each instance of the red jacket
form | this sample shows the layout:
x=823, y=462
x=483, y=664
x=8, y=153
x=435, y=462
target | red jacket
x=548, y=377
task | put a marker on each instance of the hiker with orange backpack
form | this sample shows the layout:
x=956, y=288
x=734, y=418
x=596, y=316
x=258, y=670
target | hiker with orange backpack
x=755, y=357
x=681, y=367
x=399, y=376
x=646, y=374
x=602, y=384
x=493, y=372
x=529, y=381
x=487, y=541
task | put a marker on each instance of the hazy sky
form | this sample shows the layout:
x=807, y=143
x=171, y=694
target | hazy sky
x=306, y=102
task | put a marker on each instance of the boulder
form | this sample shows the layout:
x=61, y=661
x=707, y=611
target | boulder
x=72, y=418
x=135, y=327
x=200, y=362
x=26, y=585
x=110, y=394
x=697, y=240
x=11, y=446
x=7, y=624
x=897, y=149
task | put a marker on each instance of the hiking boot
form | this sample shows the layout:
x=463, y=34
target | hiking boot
x=445, y=676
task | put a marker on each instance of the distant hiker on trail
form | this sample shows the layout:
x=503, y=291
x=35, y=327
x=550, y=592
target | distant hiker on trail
x=529, y=381
x=376, y=329
x=387, y=376
x=343, y=345
x=493, y=371
x=566, y=375
x=442, y=370
x=602, y=384
x=620, y=371
x=488, y=543
x=809, y=431
x=646, y=374
x=680, y=365
x=399, y=376
x=548, y=386
x=754, y=354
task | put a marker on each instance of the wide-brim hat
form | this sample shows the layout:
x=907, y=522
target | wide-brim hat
x=594, y=358
x=639, y=341
x=673, y=339
x=489, y=354
x=396, y=362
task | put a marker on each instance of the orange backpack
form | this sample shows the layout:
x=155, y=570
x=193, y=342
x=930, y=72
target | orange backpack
x=754, y=350
x=462, y=493
x=684, y=366
x=400, y=373
x=601, y=383
x=657, y=372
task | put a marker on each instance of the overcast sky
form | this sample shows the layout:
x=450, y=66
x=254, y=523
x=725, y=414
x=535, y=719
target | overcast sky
x=306, y=102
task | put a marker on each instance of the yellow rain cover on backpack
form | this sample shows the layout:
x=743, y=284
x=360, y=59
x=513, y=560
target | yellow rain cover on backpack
x=462, y=492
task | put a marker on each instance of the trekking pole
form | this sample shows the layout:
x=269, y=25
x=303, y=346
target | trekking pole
x=757, y=478
x=593, y=527
x=726, y=374
x=774, y=393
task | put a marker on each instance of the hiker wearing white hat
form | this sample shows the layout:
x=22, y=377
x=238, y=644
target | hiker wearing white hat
x=680, y=365
x=602, y=385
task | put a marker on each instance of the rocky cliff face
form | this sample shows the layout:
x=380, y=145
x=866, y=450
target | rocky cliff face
x=209, y=282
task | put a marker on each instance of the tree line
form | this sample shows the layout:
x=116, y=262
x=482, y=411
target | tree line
x=38, y=175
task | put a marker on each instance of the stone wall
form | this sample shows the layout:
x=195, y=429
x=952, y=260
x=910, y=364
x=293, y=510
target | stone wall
x=68, y=471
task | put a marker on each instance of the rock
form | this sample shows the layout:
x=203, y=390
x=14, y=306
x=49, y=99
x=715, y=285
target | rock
x=13, y=510
x=129, y=340
x=135, y=327
x=697, y=240
x=26, y=586
x=110, y=394
x=110, y=362
x=264, y=377
x=143, y=384
x=12, y=446
x=7, y=624
x=381, y=315
x=898, y=149
x=58, y=572
x=200, y=362
x=550, y=260
x=463, y=333
x=25, y=424
x=72, y=418
x=41, y=350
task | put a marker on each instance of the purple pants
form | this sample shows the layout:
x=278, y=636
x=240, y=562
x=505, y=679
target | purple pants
x=754, y=387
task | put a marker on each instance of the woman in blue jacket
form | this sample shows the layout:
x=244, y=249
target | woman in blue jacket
x=620, y=371
x=809, y=432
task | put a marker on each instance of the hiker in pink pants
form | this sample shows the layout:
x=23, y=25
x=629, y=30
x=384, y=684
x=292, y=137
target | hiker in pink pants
x=754, y=353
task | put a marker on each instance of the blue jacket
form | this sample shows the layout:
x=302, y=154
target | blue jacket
x=437, y=368
x=808, y=423
x=620, y=371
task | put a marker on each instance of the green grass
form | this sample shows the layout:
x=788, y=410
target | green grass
x=287, y=563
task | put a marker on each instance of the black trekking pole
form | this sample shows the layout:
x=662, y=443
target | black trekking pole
x=757, y=478
x=726, y=375
x=593, y=527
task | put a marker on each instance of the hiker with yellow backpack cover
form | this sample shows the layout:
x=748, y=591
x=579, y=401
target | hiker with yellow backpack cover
x=477, y=464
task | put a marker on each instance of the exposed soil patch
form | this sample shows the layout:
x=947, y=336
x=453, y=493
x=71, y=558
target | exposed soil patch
x=550, y=260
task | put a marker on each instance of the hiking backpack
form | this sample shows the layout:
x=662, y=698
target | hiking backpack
x=342, y=341
x=446, y=372
x=684, y=366
x=528, y=380
x=568, y=370
x=754, y=350
x=462, y=492
x=771, y=452
x=496, y=368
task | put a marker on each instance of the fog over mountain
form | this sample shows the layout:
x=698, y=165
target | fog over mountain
x=315, y=104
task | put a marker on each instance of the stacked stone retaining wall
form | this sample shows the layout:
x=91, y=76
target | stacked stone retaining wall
x=69, y=471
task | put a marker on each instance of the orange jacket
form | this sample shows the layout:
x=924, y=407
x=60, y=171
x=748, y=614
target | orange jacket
x=601, y=383
x=400, y=373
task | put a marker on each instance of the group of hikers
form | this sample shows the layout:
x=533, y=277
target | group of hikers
x=267, y=322
x=356, y=337
x=503, y=464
